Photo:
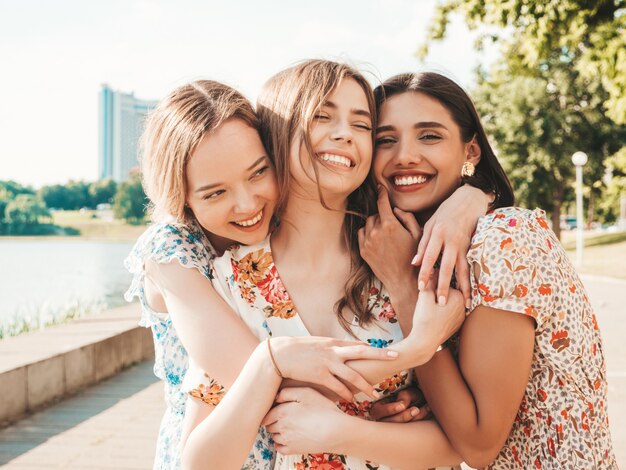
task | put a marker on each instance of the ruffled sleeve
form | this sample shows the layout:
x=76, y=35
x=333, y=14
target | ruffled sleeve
x=511, y=253
x=164, y=243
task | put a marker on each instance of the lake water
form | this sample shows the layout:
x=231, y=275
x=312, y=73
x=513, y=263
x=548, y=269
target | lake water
x=48, y=275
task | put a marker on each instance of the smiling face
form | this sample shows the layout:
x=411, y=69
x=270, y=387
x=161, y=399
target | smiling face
x=231, y=185
x=341, y=140
x=419, y=152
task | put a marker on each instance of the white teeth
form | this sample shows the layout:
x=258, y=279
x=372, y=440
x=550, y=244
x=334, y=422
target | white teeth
x=409, y=180
x=252, y=221
x=329, y=157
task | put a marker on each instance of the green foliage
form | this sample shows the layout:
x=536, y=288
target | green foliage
x=24, y=213
x=71, y=196
x=616, y=187
x=130, y=201
x=102, y=192
x=591, y=34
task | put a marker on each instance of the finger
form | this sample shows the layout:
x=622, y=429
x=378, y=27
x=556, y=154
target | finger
x=445, y=276
x=384, y=206
x=405, y=416
x=279, y=440
x=370, y=223
x=409, y=222
x=273, y=415
x=336, y=386
x=421, y=247
x=352, y=377
x=365, y=351
x=380, y=411
x=410, y=395
x=274, y=428
x=289, y=394
x=463, y=279
x=431, y=255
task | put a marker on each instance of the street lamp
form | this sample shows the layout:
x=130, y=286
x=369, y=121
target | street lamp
x=579, y=159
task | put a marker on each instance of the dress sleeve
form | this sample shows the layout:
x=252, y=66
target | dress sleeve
x=198, y=384
x=164, y=243
x=511, y=254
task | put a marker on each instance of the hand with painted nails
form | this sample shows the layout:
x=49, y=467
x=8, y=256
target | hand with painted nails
x=387, y=243
x=322, y=361
x=403, y=407
x=447, y=236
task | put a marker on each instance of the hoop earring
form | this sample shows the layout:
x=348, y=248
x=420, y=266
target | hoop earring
x=468, y=170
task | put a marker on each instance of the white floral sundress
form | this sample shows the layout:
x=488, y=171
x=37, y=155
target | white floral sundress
x=264, y=305
x=164, y=243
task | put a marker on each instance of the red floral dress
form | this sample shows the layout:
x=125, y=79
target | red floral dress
x=520, y=266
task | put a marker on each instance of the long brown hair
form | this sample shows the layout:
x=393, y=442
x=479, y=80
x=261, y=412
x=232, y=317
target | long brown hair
x=286, y=108
x=172, y=132
x=489, y=175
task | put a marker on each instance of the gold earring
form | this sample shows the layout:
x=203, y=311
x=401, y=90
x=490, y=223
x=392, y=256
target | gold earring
x=468, y=170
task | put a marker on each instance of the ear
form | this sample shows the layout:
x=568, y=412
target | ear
x=472, y=151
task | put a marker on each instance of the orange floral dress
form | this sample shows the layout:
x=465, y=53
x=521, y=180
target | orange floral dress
x=260, y=298
x=520, y=266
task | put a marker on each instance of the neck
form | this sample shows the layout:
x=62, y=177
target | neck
x=310, y=231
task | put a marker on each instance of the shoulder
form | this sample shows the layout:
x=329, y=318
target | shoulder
x=511, y=227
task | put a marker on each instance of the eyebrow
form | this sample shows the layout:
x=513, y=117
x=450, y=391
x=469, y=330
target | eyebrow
x=214, y=185
x=417, y=125
x=357, y=111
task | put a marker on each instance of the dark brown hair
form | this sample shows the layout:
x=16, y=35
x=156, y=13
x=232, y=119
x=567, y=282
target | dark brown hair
x=286, y=108
x=489, y=175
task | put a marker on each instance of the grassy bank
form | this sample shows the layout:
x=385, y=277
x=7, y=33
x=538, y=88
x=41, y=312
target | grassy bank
x=604, y=253
x=95, y=225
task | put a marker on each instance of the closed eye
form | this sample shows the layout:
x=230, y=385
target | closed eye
x=363, y=126
x=429, y=136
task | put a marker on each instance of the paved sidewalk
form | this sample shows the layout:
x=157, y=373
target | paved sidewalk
x=114, y=425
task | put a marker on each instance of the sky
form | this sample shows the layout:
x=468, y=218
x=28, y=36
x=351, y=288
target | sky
x=55, y=55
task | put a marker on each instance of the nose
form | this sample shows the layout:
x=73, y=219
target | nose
x=245, y=201
x=341, y=132
x=408, y=153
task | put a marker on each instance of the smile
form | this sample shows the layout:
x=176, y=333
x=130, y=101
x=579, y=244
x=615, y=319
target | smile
x=336, y=160
x=250, y=222
x=409, y=180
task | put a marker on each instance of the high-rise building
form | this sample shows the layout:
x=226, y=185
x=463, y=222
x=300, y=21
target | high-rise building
x=121, y=120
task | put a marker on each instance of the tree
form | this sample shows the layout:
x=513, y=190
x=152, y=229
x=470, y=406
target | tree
x=71, y=196
x=24, y=213
x=102, y=192
x=130, y=201
x=538, y=119
x=591, y=33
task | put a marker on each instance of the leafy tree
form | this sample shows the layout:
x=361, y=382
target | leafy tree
x=24, y=213
x=538, y=119
x=102, y=192
x=592, y=34
x=71, y=196
x=130, y=201
x=616, y=188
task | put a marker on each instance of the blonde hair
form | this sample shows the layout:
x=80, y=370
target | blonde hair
x=286, y=108
x=172, y=132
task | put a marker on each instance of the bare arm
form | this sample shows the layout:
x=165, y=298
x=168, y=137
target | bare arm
x=476, y=401
x=412, y=445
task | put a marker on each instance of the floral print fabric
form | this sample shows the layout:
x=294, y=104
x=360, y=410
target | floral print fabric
x=264, y=304
x=164, y=243
x=519, y=265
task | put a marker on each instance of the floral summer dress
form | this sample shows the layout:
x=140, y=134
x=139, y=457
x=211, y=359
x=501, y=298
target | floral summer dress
x=163, y=243
x=265, y=306
x=519, y=265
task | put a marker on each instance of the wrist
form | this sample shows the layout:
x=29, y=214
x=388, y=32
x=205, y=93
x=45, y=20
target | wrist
x=344, y=432
x=422, y=347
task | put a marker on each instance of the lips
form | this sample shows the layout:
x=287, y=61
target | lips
x=336, y=159
x=251, y=223
x=409, y=181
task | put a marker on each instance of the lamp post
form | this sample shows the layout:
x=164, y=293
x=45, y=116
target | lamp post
x=579, y=159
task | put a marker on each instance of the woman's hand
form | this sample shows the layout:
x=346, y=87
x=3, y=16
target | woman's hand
x=434, y=323
x=388, y=241
x=403, y=407
x=448, y=233
x=304, y=421
x=321, y=361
